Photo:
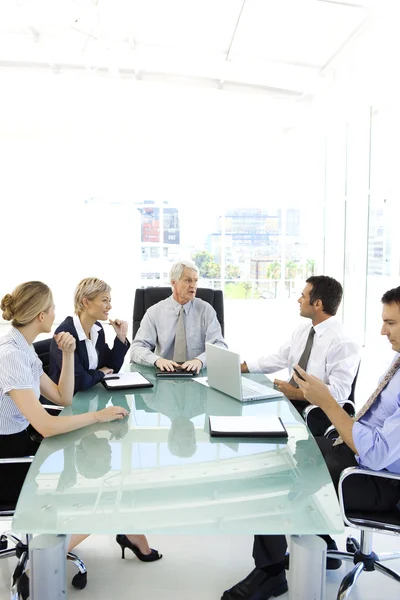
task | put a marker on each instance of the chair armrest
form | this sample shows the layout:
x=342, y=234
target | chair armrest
x=16, y=460
x=52, y=408
x=329, y=431
x=350, y=471
x=309, y=409
x=348, y=406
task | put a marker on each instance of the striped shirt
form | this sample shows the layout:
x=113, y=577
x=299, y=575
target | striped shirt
x=20, y=369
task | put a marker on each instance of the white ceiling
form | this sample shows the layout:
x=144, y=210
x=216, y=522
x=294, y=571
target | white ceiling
x=280, y=48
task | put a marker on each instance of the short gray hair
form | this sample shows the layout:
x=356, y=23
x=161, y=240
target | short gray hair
x=177, y=269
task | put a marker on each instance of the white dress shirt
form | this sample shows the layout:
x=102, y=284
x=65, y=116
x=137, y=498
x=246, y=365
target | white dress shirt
x=334, y=357
x=90, y=343
x=156, y=335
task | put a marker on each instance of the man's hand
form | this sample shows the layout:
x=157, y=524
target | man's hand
x=193, y=365
x=289, y=390
x=120, y=328
x=166, y=365
x=65, y=342
x=314, y=390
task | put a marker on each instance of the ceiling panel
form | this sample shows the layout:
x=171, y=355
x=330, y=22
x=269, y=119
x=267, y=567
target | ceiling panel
x=277, y=46
x=307, y=32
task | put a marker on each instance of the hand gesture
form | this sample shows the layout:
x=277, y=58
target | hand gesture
x=314, y=390
x=193, y=365
x=65, y=342
x=111, y=413
x=166, y=365
x=120, y=328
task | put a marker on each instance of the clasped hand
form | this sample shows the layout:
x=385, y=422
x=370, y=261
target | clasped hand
x=65, y=342
x=169, y=365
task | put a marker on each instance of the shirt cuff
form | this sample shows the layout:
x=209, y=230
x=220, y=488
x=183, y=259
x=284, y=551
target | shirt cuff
x=253, y=366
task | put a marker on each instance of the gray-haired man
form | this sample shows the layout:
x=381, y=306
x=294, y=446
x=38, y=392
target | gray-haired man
x=175, y=330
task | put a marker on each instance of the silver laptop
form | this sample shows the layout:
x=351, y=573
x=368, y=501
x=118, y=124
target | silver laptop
x=223, y=374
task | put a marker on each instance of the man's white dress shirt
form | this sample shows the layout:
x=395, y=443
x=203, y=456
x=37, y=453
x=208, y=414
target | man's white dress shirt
x=334, y=356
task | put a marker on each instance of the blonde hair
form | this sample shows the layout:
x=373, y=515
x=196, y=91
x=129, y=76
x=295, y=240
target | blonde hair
x=26, y=302
x=88, y=288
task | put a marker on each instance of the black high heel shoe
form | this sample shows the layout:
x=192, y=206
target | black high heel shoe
x=123, y=541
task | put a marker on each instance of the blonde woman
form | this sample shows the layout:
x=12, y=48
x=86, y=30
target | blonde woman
x=30, y=308
x=93, y=357
x=93, y=360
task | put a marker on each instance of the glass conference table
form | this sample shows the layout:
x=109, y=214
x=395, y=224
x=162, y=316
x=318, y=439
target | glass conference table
x=159, y=471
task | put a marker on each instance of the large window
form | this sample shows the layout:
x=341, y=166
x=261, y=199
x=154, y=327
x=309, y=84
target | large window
x=121, y=179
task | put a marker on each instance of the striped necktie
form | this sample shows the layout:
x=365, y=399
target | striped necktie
x=383, y=383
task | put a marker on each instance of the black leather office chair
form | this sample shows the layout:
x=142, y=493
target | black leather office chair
x=317, y=421
x=146, y=297
x=42, y=349
x=361, y=553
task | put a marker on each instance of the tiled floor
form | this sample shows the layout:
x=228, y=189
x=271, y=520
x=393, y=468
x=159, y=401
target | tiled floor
x=194, y=568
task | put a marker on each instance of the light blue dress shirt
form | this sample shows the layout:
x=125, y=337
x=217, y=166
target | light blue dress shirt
x=377, y=434
x=156, y=335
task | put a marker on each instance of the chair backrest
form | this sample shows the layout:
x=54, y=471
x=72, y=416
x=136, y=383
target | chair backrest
x=353, y=385
x=42, y=349
x=146, y=297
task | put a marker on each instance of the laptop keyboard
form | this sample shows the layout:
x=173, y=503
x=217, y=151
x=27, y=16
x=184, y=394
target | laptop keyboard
x=252, y=389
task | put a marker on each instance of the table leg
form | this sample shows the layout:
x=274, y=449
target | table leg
x=48, y=567
x=307, y=567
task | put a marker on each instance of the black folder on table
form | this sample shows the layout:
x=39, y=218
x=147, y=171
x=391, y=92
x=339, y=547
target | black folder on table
x=125, y=381
x=247, y=426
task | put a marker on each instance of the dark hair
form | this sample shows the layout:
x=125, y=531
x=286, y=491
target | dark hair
x=391, y=296
x=328, y=290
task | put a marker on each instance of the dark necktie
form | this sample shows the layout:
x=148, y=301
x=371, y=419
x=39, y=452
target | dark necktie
x=303, y=361
x=180, y=339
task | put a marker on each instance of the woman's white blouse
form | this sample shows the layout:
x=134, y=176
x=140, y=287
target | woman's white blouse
x=20, y=369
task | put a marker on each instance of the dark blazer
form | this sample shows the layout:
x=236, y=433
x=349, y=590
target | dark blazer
x=86, y=378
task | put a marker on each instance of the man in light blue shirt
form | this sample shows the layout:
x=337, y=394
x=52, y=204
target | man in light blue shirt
x=154, y=343
x=371, y=440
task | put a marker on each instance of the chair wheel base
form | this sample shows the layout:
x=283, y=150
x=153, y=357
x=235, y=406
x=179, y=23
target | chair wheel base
x=23, y=587
x=352, y=545
x=79, y=581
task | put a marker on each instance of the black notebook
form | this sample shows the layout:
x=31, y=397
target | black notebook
x=247, y=426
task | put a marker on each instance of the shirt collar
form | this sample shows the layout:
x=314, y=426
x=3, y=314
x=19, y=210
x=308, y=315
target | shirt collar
x=177, y=306
x=79, y=329
x=327, y=324
x=20, y=339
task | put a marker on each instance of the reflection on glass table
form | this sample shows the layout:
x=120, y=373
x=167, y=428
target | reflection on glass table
x=159, y=470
